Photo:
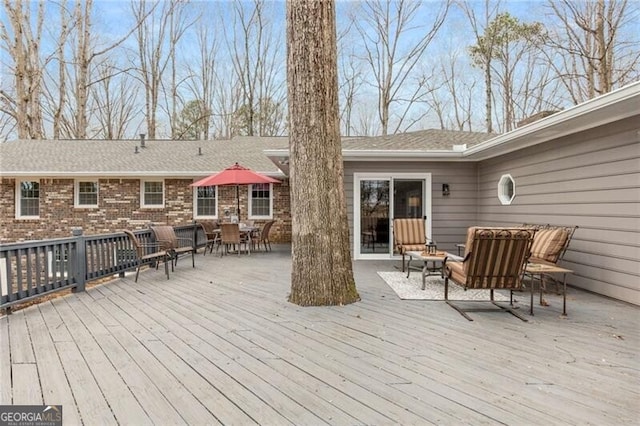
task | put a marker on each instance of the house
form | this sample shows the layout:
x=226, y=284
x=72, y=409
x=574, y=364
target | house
x=51, y=186
x=580, y=166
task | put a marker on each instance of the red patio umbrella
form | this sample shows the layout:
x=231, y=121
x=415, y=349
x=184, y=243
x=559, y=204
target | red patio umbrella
x=235, y=175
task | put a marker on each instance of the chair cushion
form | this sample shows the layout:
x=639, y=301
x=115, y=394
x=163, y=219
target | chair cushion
x=409, y=231
x=497, y=257
x=471, y=232
x=455, y=271
x=548, y=244
x=410, y=247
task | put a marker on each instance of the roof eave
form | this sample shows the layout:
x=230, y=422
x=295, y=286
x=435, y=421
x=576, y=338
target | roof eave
x=399, y=155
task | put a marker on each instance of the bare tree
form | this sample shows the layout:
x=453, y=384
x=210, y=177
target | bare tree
x=22, y=39
x=60, y=100
x=255, y=51
x=350, y=71
x=82, y=62
x=159, y=30
x=484, y=52
x=451, y=95
x=366, y=121
x=536, y=90
x=350, y=82
x=115, y=97
x=596, y=46
x=227, y=100
x=321, y=260
x=509, y=40
x=385, y=29
x=203, y=72
x=69, y=91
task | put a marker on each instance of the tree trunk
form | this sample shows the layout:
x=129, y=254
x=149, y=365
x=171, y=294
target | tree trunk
x=487, y=97
x=322, y=272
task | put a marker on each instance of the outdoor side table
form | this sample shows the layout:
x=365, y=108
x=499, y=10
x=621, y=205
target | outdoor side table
x=427, y=259
x=540, y=270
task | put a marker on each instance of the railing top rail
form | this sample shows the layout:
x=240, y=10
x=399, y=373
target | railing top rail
x=34, y=243
x=19, y=245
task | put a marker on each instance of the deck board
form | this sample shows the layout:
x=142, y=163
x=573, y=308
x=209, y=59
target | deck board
x=53, y=379
x=158, y=408
x=5, y=363
x=220, y=344
x=26, y=388
x=123, y=404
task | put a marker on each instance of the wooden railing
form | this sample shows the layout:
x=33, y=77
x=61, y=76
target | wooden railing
x=31, y=270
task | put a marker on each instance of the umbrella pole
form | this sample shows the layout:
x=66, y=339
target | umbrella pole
x=238, y=200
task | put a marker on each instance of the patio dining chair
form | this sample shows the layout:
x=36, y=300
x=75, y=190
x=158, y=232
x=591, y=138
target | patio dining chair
x=408, y=235
x=147, y=253
x=495, y=259
x=212, y=233
x=230, y=236
x=262, y=236
x=175, y=246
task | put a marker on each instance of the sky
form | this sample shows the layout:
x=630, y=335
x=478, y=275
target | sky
x=113, y=19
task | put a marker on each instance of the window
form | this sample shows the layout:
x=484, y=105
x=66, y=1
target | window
x=206, y=199
x=260, y=201
x=28, y=197
x=86, y=194
x=506, y=189
x=152, y=193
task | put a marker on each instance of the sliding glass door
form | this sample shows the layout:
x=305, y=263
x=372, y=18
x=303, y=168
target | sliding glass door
x=380, y=199
x=374, y=216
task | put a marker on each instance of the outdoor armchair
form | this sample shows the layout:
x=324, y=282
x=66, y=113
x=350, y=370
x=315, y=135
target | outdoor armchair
x=549, y=246
x=147, y=253
x=494, y=259
x=408, y=235
x=175, y=246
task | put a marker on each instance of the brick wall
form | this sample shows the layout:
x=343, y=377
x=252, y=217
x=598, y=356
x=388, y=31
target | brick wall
x=119, y=208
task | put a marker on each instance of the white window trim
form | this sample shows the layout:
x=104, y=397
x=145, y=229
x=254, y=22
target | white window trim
x=76, y=197
x=151, y=206
x=505, y=200
x=250, y=204
x=195, y=205
x=19, y=198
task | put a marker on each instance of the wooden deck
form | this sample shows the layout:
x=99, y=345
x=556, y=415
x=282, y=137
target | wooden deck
x=220, y=344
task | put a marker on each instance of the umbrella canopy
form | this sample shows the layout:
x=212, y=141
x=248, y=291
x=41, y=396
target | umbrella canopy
x=235, y=175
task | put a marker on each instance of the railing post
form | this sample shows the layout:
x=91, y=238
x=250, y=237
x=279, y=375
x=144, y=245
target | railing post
x=79, y=260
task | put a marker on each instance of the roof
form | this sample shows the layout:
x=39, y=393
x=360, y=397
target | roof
x=431, y=139
x=118, y=158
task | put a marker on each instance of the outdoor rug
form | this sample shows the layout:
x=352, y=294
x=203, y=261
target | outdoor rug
x=410, y=288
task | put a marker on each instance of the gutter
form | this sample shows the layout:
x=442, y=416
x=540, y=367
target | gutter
x=377, y=154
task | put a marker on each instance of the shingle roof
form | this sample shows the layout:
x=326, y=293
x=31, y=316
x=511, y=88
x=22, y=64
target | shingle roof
x=111, y=157
x=181, y=158
x=431, y=139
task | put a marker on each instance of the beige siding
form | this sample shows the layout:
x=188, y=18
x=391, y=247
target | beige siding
x=590, y=179
x=451, y=215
